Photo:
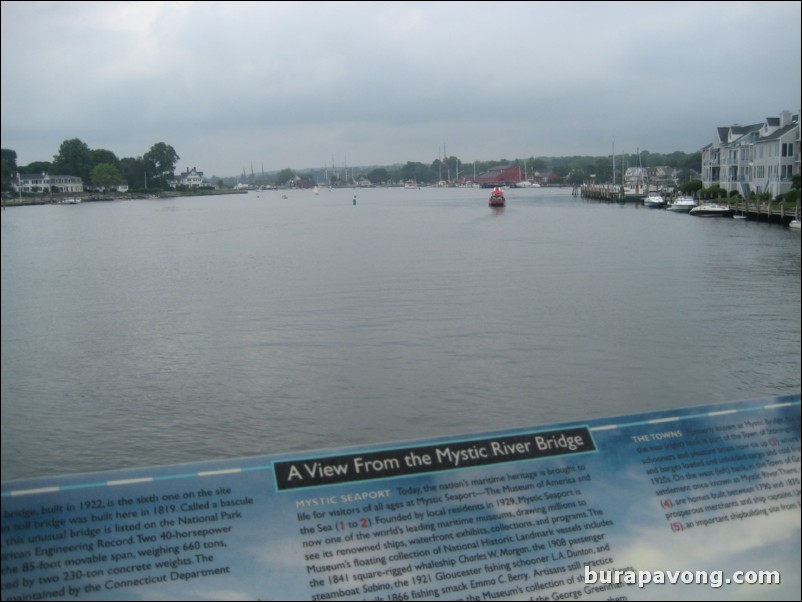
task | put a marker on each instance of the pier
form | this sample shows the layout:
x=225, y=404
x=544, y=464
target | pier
x=602, y=192
x=776, y=213
x=610, y=192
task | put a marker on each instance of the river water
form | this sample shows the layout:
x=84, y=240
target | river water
x=155, y=332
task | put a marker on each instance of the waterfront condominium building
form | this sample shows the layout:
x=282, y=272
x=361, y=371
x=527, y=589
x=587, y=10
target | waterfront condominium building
x=754, y=158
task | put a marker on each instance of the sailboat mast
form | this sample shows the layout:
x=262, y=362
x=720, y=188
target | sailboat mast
x=613, y=162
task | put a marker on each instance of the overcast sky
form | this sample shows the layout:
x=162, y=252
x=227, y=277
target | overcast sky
x=235, y=86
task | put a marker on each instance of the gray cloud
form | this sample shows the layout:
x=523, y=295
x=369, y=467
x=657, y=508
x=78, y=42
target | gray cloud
x=293, y=84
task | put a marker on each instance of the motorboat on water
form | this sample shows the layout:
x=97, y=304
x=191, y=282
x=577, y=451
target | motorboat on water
x=711, y=210
x=794, y=224
x=497, y=198
x=655, y=200
x=682, y=204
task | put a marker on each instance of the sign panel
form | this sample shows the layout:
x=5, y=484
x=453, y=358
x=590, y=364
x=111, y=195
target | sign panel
x=694, y=503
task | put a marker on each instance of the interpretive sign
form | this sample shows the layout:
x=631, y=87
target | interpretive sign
x=694, y=503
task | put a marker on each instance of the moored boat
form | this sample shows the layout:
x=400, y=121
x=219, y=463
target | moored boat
x=712, y=210
x=682, y=204
x=654, y=200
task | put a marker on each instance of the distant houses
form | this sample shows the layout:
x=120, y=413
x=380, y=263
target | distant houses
x=655, y=178
x=760, y=158
x=509, y=175
x=42, y=182
x=503, y=175
x=46, y=183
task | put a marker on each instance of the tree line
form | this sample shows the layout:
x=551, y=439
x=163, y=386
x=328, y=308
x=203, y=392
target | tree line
x=573, y=170
x=101, y=168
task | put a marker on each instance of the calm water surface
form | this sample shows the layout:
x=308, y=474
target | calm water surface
x=165, y=331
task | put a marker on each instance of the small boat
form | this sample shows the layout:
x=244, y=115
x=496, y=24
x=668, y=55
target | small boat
x=794, y=224
x=411, y=185
x=497, y=198
x=682, y=204
x=654, y=200
x=711, y=210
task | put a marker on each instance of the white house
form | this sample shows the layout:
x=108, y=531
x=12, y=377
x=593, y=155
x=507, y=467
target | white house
x=45, y=183
x=756, y=158
x=191, y=178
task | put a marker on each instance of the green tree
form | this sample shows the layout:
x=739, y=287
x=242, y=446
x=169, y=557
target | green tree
x=133, y=172
x=714, y=192
x=285, y=177
x=691, y=187
x=416, y=171
x=603, y=170
x=37, y=167
x=793, y=195
x=160, y=163
x=378, y=175
x=577, y=177
x=9, y=161
x=537, y=165
x=105, y=175
x=73, y=159
x=101, y=155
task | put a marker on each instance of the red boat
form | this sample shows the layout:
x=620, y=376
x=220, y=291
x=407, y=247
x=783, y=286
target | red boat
x=497, y=198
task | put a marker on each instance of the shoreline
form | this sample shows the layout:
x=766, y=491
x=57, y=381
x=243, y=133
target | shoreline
x=94, y=198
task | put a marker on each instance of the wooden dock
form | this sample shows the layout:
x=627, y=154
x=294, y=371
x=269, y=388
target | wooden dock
x=776, y=213
x=601, y=192
x=609, y=192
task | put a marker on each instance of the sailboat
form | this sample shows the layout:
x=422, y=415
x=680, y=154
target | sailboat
x=525, y=183
x=636, y=194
